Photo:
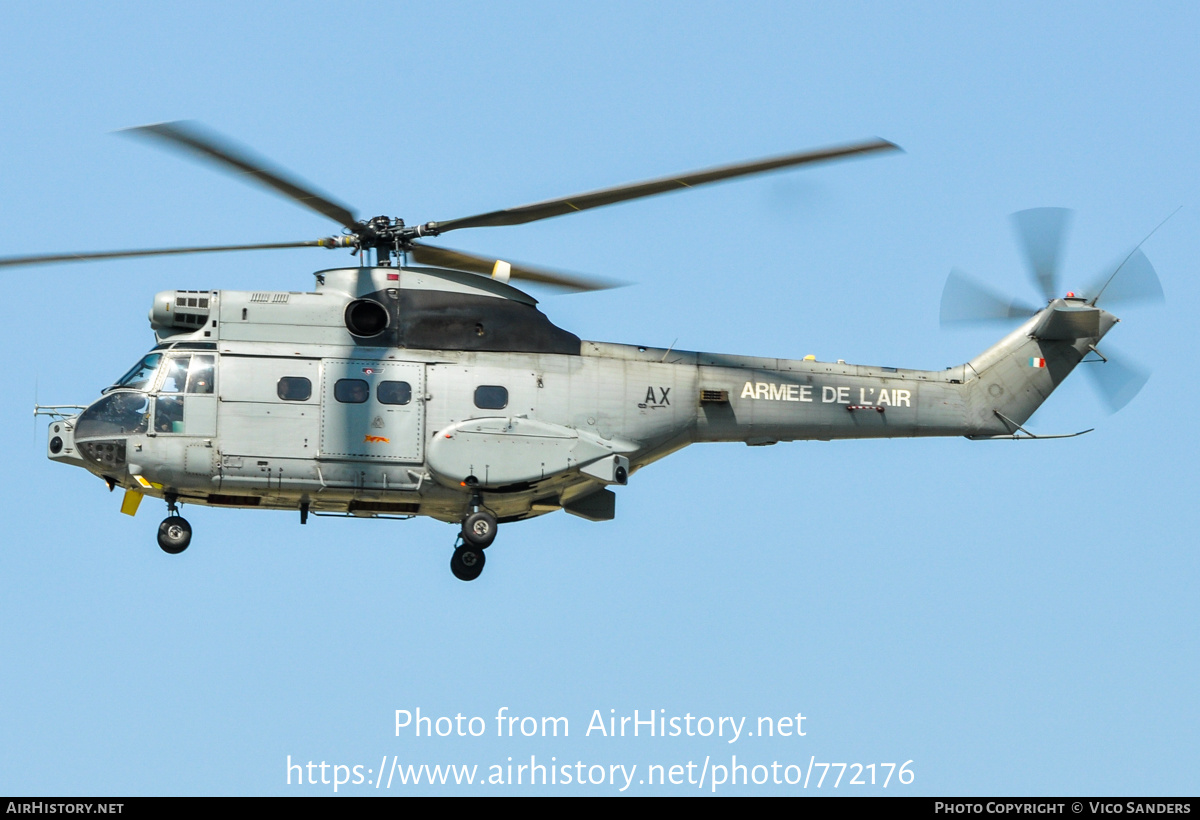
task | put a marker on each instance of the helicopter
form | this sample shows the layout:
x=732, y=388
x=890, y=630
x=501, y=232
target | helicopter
x=428, y=384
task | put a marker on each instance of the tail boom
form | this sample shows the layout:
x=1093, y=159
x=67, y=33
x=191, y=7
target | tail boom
x=786, y=400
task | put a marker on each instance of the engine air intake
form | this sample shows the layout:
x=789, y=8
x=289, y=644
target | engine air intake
x=366, y=318
x=181, y=309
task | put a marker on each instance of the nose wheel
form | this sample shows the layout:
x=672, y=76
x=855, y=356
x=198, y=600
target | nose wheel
x=174, y=533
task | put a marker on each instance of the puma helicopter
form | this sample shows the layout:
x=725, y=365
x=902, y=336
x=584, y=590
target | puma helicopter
x=427, y=384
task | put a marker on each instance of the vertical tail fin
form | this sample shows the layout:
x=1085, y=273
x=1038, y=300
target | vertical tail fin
x=1011, y=379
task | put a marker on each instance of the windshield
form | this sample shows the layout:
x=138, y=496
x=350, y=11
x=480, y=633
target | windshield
x=139, y=376
x=117, y=414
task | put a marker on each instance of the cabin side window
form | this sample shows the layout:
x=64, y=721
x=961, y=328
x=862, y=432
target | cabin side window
x=491, y=397
x=294, y=388
x=394, y=392
x=351, y=391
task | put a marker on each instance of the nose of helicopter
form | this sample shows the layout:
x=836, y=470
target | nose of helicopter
x=60, y=442
x=97, y=437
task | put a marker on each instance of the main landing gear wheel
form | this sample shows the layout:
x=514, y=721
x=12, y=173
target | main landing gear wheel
x=467, y=562
x=174, y=534
x=479, y=529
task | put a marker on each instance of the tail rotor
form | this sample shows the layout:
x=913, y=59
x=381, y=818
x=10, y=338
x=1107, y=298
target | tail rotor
x=1041, y=235
x=1116, y=380
x=967, y=301
x=1132, y=281
x=1042, y=232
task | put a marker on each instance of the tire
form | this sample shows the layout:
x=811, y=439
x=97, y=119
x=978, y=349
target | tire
x=174, y=535
x=467, y=562
x=479, y=529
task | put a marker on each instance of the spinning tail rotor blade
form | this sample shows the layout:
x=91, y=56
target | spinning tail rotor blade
x=1117, y=380
x=1041, y=232
x=1132, y=281
x=190, y=137
x=965, y=301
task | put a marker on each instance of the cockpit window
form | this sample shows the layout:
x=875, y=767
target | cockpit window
x=117, y=414
x=175, y=374
x=141, y=373
x=200, y=375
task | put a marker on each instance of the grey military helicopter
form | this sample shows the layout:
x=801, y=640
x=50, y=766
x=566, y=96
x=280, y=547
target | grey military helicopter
x=427, y=384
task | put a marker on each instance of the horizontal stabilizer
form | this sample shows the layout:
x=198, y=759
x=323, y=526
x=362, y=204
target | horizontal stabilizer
x=1069, y=322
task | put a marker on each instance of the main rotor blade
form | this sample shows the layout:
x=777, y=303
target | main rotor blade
x=1132, y=281
x=499, y=269
x=966, y=301
x=624, y=193
x=45, y=259
x=1041, y=232
x=190, y=137
x=1117, y=381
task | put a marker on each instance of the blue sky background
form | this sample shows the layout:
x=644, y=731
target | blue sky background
x=1013, y=618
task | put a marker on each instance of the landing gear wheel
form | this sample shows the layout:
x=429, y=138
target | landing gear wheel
x=467, y=562
x=479, y=529
x=174, y=535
